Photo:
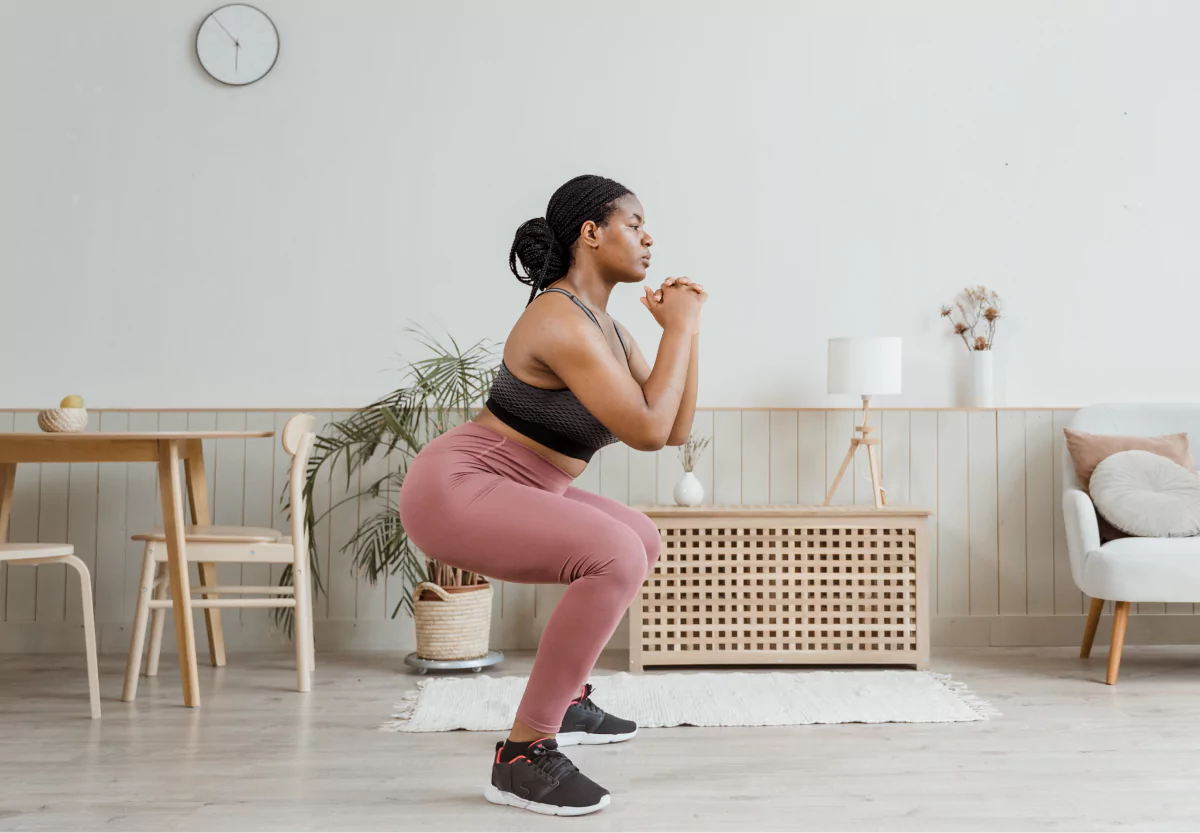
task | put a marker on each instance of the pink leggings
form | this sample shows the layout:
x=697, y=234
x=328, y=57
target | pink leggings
x=475, y=499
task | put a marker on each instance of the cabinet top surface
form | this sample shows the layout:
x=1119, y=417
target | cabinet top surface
x=781, y=510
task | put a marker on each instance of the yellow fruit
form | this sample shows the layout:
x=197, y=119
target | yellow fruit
x=72, y=402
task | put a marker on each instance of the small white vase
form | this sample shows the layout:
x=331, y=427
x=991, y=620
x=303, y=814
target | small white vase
x=689, y=491
x=983, y=385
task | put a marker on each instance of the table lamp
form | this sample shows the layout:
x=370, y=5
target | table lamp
x=864, y=367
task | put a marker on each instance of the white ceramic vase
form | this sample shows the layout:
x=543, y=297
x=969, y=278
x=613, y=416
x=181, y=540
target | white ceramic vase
x=689, y=491
x=983, y=382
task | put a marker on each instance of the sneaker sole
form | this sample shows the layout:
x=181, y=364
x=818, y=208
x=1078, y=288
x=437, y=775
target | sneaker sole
x=497, y=796
x=590, y=739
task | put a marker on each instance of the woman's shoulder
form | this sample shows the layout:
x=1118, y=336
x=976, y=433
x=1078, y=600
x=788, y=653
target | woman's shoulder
x=545, y=327
x=556, y=310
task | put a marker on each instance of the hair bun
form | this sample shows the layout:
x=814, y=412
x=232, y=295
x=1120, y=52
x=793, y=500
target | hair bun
x=539, y=251
x=544, y=244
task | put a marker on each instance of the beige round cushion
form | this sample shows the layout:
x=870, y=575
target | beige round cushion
x=1145, y=494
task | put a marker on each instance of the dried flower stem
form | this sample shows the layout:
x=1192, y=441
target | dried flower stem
x=975, y=305
x=689, y=452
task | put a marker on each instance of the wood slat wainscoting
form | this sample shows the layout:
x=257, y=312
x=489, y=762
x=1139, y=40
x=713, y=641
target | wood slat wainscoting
x=999, y=573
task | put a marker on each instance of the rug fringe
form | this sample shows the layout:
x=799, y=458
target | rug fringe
x=963, y=692
x=405, y=709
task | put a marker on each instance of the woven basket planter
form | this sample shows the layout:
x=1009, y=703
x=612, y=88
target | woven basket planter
x=454, y=625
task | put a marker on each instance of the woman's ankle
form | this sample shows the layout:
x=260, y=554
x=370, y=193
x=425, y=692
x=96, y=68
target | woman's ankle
x=523, y=733
x=523, y=738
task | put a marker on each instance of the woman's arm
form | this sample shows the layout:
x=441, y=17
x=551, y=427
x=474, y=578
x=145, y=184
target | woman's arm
x=687, y=406
x=640, y=369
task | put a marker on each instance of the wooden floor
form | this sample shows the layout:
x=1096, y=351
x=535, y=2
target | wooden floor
x=1068, y=753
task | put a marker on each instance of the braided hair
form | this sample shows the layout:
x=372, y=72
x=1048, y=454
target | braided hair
x=543, y=244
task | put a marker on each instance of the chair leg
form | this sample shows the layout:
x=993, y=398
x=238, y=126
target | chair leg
x=1120, y=618
x=137, y=642
x=212, y=616
x=89, y=631
x=312, y=640
x=302, y=617
x=158, y=617
x=1089, y=634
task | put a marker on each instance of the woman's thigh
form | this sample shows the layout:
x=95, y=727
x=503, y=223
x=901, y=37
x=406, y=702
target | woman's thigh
x=493, y=526
x=645, y=528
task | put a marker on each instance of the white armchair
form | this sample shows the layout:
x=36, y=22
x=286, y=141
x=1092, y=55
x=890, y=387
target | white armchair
x=1128, y=569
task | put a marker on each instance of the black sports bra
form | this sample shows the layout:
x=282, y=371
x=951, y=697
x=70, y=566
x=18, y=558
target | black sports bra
x=552, y=416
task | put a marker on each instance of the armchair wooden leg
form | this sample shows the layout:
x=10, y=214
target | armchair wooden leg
x=1120, y=619
x=1090, y=633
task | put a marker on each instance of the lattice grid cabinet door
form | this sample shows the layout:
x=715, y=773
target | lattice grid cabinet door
x=774, y=590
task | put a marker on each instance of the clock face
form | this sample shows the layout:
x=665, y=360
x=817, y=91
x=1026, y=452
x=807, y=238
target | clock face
x=237, y=44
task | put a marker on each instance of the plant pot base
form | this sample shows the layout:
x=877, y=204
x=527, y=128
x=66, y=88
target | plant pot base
x=476, y=665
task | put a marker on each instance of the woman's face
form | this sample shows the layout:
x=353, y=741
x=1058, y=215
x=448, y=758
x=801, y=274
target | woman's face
x=622, y=246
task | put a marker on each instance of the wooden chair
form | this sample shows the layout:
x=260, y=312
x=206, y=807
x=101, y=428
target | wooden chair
x=33, y=554
x=233, y=544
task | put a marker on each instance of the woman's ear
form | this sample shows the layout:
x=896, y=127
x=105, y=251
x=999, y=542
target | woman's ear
x=587, y=233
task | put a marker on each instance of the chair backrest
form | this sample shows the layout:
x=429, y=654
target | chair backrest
x=295, y=429
x=1134, y=420
x=298, y=440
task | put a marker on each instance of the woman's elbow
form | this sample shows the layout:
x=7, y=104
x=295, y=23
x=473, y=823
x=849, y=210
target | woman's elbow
x=648, y=444
x=650, y=441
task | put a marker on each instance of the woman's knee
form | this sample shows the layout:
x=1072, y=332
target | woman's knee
x=637, y=548
x=620, y=558
x=647, y=530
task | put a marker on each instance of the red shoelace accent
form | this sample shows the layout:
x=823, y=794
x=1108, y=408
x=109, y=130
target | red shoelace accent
x=500, y=750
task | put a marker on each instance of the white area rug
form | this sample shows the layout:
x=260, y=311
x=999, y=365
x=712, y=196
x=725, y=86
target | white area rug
x=483, y=703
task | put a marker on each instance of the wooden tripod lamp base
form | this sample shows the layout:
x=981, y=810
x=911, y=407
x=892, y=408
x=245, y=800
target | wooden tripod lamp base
x=872, y=444
x=864, y=366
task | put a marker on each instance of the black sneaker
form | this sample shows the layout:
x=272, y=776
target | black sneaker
x=544, y=781
x=587, y=724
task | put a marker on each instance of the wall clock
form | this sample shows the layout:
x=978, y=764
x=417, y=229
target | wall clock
x=237, y=44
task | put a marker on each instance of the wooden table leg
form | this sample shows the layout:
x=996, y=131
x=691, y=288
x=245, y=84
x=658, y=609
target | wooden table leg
x=197, y=487
x=181, y=592
x=8, y=477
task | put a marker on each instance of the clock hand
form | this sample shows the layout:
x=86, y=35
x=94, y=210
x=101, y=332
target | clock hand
x=222, y=25
x=236, y=52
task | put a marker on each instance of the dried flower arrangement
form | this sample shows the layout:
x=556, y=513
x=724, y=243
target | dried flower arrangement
x=689, y=452
x=977, y=306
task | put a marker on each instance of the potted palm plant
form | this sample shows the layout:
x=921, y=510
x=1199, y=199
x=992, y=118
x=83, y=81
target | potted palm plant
x=438, y=392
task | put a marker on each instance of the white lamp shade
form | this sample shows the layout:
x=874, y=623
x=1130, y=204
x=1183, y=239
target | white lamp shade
x=864, y=366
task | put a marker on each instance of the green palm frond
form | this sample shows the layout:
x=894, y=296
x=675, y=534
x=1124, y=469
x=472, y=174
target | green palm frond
x=446, y=386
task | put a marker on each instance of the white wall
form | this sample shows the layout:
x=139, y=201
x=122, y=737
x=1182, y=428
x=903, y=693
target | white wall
x=826, y=168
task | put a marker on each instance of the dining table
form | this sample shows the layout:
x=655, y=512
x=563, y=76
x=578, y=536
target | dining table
x=172, y=451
